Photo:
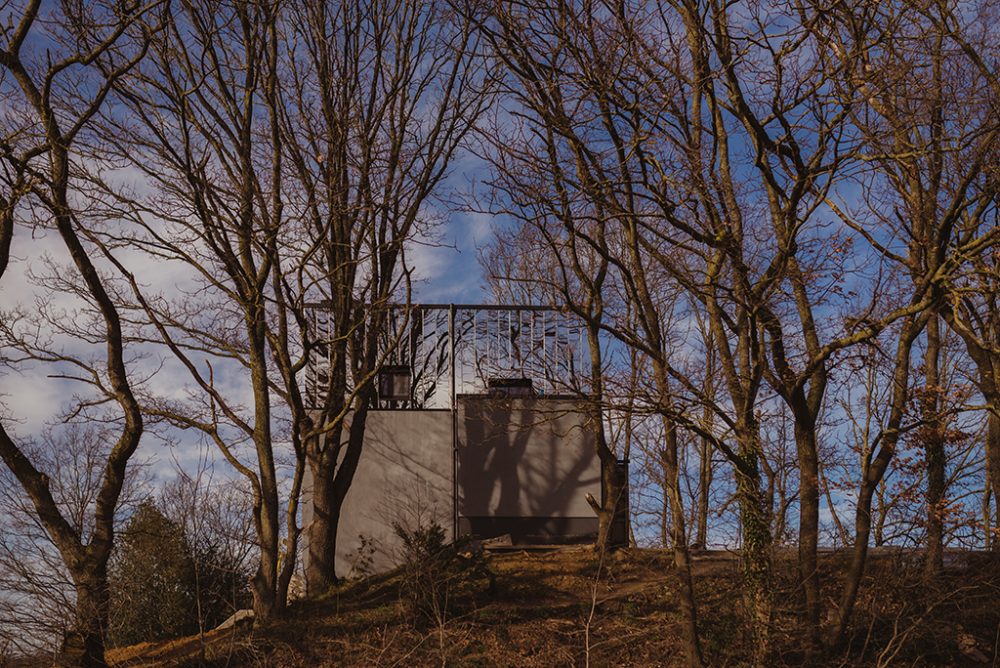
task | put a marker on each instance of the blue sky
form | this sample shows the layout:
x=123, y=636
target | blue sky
x=447, y=270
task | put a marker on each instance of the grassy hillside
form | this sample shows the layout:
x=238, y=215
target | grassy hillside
x=568, y=607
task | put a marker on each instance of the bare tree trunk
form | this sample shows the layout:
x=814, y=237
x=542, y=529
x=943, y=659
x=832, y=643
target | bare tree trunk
x=83, y=645
x=704, y=492
x=873, y=474
x=611, y=487
x=992, y=431
x=841, y=531
x=266, y=509
x=934, y=449
x=755, y=555
x=611, y=490
x=805, y=442
x=705, y=448
x=330, y=487
x=320, y=572
x=321, y=534
x=678, y=539
x=290, y=557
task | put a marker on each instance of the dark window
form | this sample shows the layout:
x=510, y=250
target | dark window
x=394, y=383
x=511, y=387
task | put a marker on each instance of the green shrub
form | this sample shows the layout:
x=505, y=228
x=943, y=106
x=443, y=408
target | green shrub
x=161, y=584
x=151, y=580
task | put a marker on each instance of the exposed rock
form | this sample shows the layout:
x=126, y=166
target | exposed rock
x=239, y=619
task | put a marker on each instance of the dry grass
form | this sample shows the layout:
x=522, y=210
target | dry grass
x=537, y=618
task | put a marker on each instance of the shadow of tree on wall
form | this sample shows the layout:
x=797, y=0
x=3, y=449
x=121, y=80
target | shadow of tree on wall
x=525, y=466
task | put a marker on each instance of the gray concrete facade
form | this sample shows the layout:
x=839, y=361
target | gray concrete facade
x=525, y=466
x=519, y=466
x=405, y=475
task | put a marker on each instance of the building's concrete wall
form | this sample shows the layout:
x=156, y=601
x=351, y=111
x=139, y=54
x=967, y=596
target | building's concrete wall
x=525, y=468
x=404, y=475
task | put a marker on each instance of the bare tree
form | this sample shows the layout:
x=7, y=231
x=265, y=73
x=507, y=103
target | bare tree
x=926, y=197
x=545, y=261
x=50, y=97
x=292, y=152
x=972, y=311
x=376, y=101
x=625, y=141
x=36, y=589
x=638, y=186
x=569, y=170
x=198, y=129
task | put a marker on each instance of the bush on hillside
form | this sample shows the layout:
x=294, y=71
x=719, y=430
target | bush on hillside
x=434, y=572
x=162, y=586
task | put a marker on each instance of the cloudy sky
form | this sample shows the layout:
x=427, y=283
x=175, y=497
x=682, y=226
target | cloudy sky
x=446, y=268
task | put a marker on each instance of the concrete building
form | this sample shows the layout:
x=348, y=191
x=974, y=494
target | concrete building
x=513, y=458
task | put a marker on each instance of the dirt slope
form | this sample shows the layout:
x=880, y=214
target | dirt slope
x=568, y=607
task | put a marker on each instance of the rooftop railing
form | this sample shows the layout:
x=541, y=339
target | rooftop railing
x=459, y=349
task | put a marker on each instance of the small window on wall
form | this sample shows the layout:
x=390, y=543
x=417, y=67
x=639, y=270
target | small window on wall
x=511, y=387
x=394, y=383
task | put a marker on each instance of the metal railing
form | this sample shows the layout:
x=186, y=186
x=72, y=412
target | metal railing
x=454, y=349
